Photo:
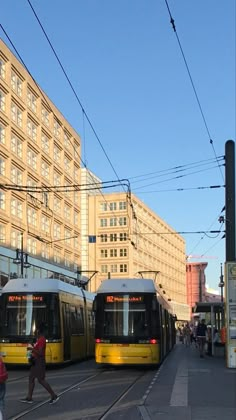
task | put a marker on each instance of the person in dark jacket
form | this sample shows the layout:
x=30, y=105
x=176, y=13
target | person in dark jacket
x=201, y=336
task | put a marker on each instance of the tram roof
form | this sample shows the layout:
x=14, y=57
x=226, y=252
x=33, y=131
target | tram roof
x=40, y=285
x=127, y=285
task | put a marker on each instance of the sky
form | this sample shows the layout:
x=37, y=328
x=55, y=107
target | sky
x=152, y=105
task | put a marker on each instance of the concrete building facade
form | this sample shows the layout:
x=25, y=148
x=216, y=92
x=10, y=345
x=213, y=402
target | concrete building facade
x=39, y=161
x=131, y=240
x=63, y=229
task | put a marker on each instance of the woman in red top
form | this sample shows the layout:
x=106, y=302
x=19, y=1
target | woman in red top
x=38, y=368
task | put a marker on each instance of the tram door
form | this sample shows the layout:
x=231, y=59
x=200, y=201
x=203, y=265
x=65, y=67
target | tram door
x=66, y=328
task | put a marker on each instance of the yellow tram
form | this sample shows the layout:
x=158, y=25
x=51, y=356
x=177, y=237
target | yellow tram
x=65, y=309
x=134, y=324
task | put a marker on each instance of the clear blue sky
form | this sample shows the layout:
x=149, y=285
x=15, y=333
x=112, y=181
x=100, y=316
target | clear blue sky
x=125, y=64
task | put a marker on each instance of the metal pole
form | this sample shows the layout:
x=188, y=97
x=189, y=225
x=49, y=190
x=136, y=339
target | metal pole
x=230, y=200
x=22, y=257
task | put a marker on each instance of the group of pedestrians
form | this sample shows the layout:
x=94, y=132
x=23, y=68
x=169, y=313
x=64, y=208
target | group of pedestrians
x=201, y=335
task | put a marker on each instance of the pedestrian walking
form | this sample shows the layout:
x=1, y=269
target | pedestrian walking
x=187, y=333
x=38, y=368
x=3, y=379
x=201, y=336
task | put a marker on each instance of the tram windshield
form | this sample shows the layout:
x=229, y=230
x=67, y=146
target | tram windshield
x=126, y=315
x=21, y=313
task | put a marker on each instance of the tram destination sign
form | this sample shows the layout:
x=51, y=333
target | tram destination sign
x=25, y=298
x=124, y=298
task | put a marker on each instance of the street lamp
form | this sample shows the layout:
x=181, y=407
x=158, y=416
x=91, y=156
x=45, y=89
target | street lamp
x=221, y=283
x=21, y=258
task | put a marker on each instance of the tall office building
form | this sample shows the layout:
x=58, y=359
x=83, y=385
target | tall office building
x=39, y=150
x=58, y=228
x=130, y=240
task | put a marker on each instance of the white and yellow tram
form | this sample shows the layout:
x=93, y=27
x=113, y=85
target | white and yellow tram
x=134, y=324
x=65, y=310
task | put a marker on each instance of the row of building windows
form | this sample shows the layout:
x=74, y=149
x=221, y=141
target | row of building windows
x=122, y=252
x=16, y=174
x=33, y=156
x=32, y=100
x=114, y=268
x=113, y=221
x=113, y=206
x=16, y=207
x=114, y=237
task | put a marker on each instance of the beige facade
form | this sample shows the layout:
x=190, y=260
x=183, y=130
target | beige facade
x=38, y=149
x=66, y=230
x=131, y=240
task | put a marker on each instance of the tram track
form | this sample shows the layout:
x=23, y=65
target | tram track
x=119, y=398
x=96, y=411
x=36, y=406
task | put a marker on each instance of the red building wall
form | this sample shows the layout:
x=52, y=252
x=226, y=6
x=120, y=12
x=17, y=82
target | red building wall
x=196, y=283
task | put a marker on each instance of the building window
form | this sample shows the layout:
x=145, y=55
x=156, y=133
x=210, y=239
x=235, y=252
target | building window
x=103, y=237
x=56, y=128
x=67, y=164
x=32, y=216
x=2, y=200
x=67, y=212
x=31, y=101
x=76, y=218
x=2, y=68
x=16, y=84
x=57, y=153
x=31, y=246
x=31, y=183
x=122, y=221
x=16, y=114
x=123, y=236
x=57, y=231
x=104, y=268
x=67, y=260
x=123, y=268
x=45, y=170
x=45, y=224
x=103, y=222
x=32, y=130
x=56, y=178
x=67, y=236
x=113, y=221
x=45, y=116
x=2, y=234
x=113, y=268
x=2, y=101
x=113, y=252
x=57, y=205
x=122, y=205
x=103, y=206
x=113, y=237
x=112, y=206
x=16, y=176
x=15, y=239
x=57, y=256
x=45, y=143
x=123, y=252
x=45, y=251
x=16, y=208
x=32, y=159
x=2, y=134
x=2, y=166
x=76, y=198
x=76, y=242
x=16, y=146
x=76, y=174
x=67, y=142
x=104, y=253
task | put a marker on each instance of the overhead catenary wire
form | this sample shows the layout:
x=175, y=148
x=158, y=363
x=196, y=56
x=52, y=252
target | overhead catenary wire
x=191, y=80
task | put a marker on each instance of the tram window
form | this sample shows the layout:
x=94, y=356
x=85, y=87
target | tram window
x=22, y=313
